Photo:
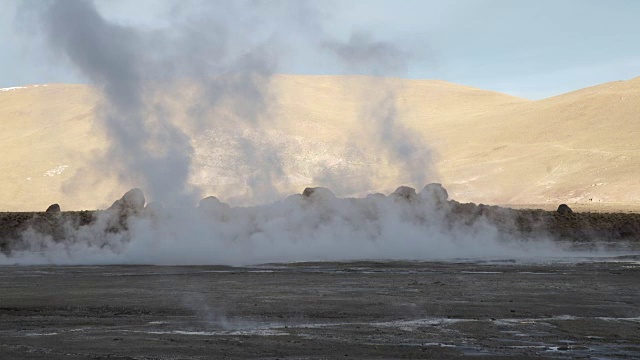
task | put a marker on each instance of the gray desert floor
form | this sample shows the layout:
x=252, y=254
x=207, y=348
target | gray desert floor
x=588, y=308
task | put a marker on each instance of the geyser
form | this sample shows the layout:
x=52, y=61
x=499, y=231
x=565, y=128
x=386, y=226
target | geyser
x=312, y=226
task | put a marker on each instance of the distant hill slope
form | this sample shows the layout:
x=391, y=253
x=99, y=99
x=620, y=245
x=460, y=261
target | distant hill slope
x=581, y=147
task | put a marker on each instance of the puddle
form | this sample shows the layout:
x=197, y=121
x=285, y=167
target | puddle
x=438, y=345
x=253, y=332
x=631, y=319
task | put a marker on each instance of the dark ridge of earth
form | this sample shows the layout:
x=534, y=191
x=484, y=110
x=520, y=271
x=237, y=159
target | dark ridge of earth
x=580, y=228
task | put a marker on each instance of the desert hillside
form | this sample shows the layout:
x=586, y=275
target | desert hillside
x=485, y=147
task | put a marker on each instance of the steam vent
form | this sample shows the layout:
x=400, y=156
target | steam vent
x=255, y=179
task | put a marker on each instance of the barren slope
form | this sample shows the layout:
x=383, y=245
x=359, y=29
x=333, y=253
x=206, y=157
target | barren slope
x=488, y=147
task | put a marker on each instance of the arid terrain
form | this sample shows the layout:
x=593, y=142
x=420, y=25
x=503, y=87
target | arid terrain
x=559, y=309
x=579, y=148
x=307, y=180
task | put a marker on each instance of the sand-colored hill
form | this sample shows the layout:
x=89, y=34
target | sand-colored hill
x=581, y=147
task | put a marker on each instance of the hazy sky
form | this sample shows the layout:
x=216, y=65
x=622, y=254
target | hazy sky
x=532, y=49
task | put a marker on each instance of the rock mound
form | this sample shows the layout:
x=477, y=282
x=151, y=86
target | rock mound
x=434, y=193
x=131, y=200
x=319, y=192
x=404, y=193
x=564, y=209
x=53, y=208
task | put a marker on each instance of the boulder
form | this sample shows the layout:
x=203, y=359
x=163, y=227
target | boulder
x=53, y=208
x=564, y=209
x=319, y=192
x=132, y=202
x=404, y=193
x=318, y=196
x=434, y=193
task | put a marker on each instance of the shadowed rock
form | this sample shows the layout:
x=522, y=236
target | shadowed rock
x=404, y=193
x=564, y=209
x=434, y=193
x=318, y=196
x=519, y=224
x=130, y=204
x=318, y=192
x=53, y=208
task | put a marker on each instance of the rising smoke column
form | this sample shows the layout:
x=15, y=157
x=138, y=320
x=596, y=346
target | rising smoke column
x=134, y=68
x=228, y=52
x=145, y=146
x=397, y=144
x=208, y=45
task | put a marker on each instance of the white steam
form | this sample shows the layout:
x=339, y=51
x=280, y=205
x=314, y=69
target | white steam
x=227, y=53
x=319, y=227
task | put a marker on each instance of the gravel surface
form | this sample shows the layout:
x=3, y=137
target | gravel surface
x=558, y=309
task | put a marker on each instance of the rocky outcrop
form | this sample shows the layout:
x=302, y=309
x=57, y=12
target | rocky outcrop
x=318, y=195
x=434, y=194
x=564, y=209
x=563, y=224
x=131, y=203
x=53, y=208
x=404, y=193
x=318, y=192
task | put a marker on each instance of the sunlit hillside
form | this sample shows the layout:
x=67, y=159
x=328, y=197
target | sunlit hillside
x=581, y=147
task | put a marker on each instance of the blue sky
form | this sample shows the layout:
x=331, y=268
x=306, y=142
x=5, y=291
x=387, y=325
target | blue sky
x=532, y=49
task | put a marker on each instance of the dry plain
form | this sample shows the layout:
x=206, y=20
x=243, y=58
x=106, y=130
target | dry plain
x=556, y=309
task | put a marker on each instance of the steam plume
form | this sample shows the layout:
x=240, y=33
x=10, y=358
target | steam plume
x=219, y=59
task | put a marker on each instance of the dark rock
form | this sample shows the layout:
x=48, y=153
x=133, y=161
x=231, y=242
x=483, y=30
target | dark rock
x=54, y=208
x=318, y=192
x=129, y=205
x=434, y=193
x=404, y=193
x=318, y=196
x=564, y=209
x=132, y=200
